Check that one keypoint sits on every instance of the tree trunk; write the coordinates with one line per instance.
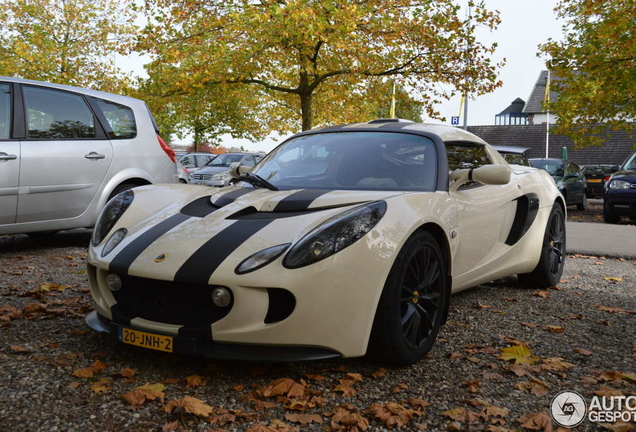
(305, 109)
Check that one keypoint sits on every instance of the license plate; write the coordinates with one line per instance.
(146, 340)
(594, 181)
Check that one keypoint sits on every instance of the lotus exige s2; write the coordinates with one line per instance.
(341, 241)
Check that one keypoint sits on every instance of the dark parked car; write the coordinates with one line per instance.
(620, 193)
(514, 155)
(569, 179)
(596, 176)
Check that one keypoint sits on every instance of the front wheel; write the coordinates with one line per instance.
(583, 204)
(414, 302)
(548, 271)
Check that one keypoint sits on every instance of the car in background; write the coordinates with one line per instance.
(620, 192)
(596, 176)
(216, 172)
(514, 155)
(193, 161)
(65, 151)
(569, 179)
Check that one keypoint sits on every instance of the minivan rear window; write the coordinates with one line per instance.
(57, 114)
(5, 110)
(120, 118)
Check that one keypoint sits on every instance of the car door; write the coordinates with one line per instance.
(485, 212)
(579, 181)
(65, 155)
(9, 158)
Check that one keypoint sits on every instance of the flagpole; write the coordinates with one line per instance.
(547, 128)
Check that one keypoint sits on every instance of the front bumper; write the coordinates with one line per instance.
(621, 202)
(222, 351)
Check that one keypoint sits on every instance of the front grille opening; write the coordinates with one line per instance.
(169, 302)
(281, 305)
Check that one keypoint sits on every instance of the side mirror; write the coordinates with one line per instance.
(486, 174)
(237, 169)
(615, 168)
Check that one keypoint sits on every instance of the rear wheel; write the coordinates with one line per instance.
(548, 271)
(413, 304)
(609, 216)
(583, 204)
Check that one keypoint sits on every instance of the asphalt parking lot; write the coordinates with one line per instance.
(56, 375)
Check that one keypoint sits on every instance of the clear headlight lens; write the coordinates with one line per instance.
(111, 214)
(114, 240)
(221, 176)
(619, 184)
(261, 259)
(335, 234)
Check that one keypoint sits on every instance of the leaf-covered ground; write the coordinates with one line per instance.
(593, 213)
(505, 352)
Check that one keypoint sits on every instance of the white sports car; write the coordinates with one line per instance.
(341, 241)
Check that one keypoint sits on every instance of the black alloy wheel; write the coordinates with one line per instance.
(414, 303)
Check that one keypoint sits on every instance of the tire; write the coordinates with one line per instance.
(583, 204)
(548, 271)
(182, 181)
(609, 216)
(414, 303)
(119, 189)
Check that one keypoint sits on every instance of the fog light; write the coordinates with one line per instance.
(221, 297)
(113, 281)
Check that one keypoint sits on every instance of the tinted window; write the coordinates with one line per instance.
(57, 115)
(120, 118)
(225, 160)
(630, 164)
(554, 167)
(5, 111)
(354, 161)
(187, 161)
(466, 156)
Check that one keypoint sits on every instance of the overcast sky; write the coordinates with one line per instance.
(524, 25)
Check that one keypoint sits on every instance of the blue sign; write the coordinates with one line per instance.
(455, 120)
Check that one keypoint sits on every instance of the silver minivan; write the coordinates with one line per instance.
(65, 151)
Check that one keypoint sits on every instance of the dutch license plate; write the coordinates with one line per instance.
(146, 340)
(594, 181)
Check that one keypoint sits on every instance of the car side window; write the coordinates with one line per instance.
(57, 114)
(5, 111)
(201, 160)
(120, 118)
(187, 161)
(463, 156)
(248, 160)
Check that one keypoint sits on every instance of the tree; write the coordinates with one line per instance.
(65, 41)
(596, 64)
(312, 60)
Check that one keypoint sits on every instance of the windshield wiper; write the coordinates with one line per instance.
(257, 181)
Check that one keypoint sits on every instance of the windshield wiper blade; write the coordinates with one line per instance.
(256, 180)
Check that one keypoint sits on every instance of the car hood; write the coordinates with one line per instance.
(628, 176)
(191, 234)
(211, 170)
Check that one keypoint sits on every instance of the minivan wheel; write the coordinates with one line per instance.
(119, 189)
(583, 204)
(609, 216)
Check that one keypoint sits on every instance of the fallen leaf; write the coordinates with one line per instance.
(344, 418)
(238, 388)
(74, 385)
(100, 386)
(495, 411)
(542, 294)
(304, 419)
(19, 349)
(530, 325)
(170, 427)
(482, 306)
(139, 395)
(190, 405)
(194, 381)
(537, 387)
(379, 373)
(613, 279)
(392, 414)
(536, 421)
(554, 329)
(463, 415)
(614, 310)
(316, 377)
(399, 388)
(126, 373)
(582, 351)
(519, 354)
(454, 355)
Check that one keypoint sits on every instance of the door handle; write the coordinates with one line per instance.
(93, 155)
(7, 157)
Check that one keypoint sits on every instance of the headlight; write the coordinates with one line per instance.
(114, 240)
(619, 184)
(335, 234)
(111, 214)
(261, 259)
(221, 176)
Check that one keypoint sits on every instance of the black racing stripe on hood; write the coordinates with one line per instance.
(123, 260)
(299, 201)
(200, 207)
(231, 196)
(202, 263)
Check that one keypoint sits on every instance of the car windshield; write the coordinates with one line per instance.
(597, 169)
(630, 163)
(553, 167)
(225, 160)
(352, 161)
